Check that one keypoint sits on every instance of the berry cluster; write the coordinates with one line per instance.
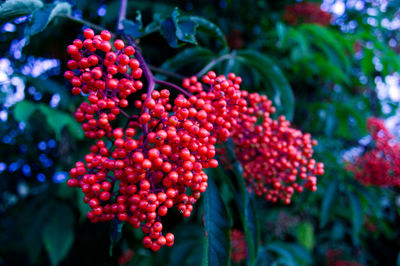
(238, 246)
(136, 173)
(379, 166)
(152, 170)
(306, 12)
(108, 75)
(273, 153)
(337, 257)
(126, 256)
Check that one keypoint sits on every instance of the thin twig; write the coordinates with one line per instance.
(122, 15)
(146, 71)
(124, 113)
(166, 72)
(213, 63)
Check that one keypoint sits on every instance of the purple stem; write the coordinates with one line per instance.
(147, 74)
(122, 14)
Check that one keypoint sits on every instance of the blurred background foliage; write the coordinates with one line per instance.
(327, 66)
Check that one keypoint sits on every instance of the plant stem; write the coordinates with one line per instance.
(162, 82)
(166, 72)
(146, 71)
(147, 74)
(122, 15)
(213, 63)
(124, 113)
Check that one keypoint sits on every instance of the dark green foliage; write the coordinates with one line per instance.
(323, 79)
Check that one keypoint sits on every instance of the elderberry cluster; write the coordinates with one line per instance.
(379, 166)
(306, 12)
(138, 172)
(276, 158)
(271, 152)
(238, 246)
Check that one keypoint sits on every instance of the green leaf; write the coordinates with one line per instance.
(50, 86)
(134, 28)
(357, 215)
(332, 45)
(65, 192)
(305, 235)
(367, 66)
(217, 228)
(58, 233)
(56, 119)
(23, 110)
(207, 27)
(247, 215)
(371, 199)
(168, 30)
(329, 199)
(186, 30)
(175, 30)
(43, 16)
(11, 9)
(282, 251)
(115, 233)
(398, 259)
(245, 205)
(301, 255)
(32, 228)
(188, 57)
(273, 79)
(187, 248)
(82, 206)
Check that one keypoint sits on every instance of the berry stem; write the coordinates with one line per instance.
(124, 113)
(122, 14)
(166, 72)
(214, 62)
(148, 75)
(146, 71)
(166, 83)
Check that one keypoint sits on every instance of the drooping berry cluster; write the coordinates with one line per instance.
(272, 153)
(238, 246)
(136, 173)
(379, 166)
(337, 257)
(306, 12)
(108, 73)
(126, 257)
(152, 164)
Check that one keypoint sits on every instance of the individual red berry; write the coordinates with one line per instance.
(88, 33)
(119, 44)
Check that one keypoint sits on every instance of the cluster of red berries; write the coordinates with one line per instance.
(126, 256)
(141, 175)
(137, 173)
(379, 166)
(108, 73)
(334, 257)
(238, 246)
(306, 12)
(272, 153)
